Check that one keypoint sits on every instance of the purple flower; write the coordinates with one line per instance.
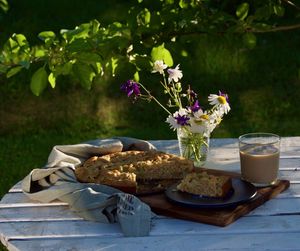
(131, 87)
(195, 107)
(182, 120)
(224, 95)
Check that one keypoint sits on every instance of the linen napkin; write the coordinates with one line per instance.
(94, 202)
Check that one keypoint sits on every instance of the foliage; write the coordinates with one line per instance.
(4, 5)
(91, 50)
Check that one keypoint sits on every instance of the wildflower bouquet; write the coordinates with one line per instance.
(193, 123)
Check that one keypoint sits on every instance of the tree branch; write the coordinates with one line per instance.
(292, 4)
(279, 28)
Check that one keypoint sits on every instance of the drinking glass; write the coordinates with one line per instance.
(259, 158)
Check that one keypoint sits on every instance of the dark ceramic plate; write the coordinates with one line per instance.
(241, 192)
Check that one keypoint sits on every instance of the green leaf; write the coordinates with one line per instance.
(52, 80)
(136, 77)
(183, 4)
(97, 67)
(262, 26)
(279, 10)
(95, 25)
(81, 31)
(14, 71)
(4, 5)
(88, 57)
(263, 13)
(114, 65)
(78, 45)
(21, 40)
(47, 36)
(12, 45)
(161, 53)
(249, 40)
(39, 52)
(184, 53)
(169, 1)
(38, 81)
(85, 75)
(64, 69)
(242, 11)
(144, 17)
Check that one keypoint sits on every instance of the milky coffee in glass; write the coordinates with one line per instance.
(259, 156)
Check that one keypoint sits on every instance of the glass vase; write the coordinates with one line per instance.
(193, 146)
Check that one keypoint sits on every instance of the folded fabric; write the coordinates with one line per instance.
(91, 201)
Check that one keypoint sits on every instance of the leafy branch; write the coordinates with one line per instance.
(92, 50)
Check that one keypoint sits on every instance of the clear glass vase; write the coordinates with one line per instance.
(193, 146)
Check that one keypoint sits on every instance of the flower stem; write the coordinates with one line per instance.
(152, 97)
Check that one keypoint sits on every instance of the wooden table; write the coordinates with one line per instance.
(30, 225)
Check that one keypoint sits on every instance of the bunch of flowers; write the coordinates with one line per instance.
(190, 117)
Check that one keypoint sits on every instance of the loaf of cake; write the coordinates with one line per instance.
(137, 170)
(201, 183)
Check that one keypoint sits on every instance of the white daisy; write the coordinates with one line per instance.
(213, 99)
(159, 66)
(175, 74)
(221, 101)
(198, 126)
(200, 122)
(216, 115)
(173, 122)
(200, 115)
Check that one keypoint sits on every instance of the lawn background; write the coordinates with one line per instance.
(263, 85)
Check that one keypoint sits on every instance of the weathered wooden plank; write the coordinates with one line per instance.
(245, 242)
(57, 229)
(54, 213)
(54, 229)
(226, 142)
(18, 199)
(23, 201)
(292, 192)
(290, 175)
(63, 213)
(280, 206)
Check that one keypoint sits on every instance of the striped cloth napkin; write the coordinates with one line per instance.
(91, 201)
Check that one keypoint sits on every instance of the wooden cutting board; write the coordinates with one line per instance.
(220, 216)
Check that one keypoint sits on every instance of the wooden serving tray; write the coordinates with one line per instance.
(216, 216)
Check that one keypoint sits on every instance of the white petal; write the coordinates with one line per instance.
(172, 122)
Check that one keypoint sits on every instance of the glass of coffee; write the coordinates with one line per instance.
(259, 156)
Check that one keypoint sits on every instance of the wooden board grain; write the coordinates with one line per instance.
(220, 216)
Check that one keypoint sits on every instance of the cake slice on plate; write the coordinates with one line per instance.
(201, 183)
